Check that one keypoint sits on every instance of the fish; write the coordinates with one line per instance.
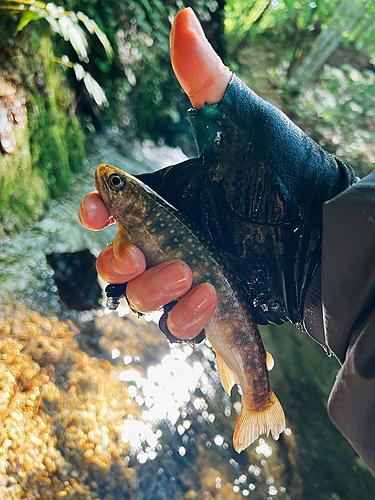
(163, 233)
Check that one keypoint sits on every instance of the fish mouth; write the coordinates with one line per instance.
(101, 175)
(97, 181)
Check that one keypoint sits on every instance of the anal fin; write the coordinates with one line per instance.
(227, 376)
(251, 425)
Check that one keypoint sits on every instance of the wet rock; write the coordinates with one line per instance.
(76, 279)
(12, 116)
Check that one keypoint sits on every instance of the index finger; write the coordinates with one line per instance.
(93, 214)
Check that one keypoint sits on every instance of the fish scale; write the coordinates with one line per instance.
(164, 234)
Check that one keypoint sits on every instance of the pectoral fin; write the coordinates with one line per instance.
(252, 424)
(270, 363)
(227, 376)
(121, 243)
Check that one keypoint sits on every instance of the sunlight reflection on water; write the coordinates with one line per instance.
(264, 448)
(185, 376)
(167, 388)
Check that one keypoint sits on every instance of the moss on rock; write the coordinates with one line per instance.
(22, 193)
(50, 146)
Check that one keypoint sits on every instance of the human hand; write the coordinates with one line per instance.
(204, 78)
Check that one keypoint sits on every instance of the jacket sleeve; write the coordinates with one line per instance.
(348, 291)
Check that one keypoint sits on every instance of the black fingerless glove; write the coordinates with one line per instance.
(257, 189)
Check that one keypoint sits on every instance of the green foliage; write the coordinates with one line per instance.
(140, 85)
(22, 193)
(342, 110)
(288, 17)
(137, 79)
(268, 43)
(49, 148)
(279, 48)
(56, 136)
(66, 24)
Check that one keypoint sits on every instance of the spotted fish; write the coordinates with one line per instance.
(163, 233)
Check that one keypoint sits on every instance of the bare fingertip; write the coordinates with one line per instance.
(93, 214)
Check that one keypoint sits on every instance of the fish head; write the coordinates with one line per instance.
(123, 194)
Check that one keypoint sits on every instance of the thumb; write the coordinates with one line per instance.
(198, 68)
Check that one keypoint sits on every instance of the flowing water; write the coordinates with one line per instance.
(95, 405)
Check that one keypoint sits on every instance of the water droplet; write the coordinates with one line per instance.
(218, 440)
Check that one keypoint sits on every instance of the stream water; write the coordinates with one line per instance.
(95, 405)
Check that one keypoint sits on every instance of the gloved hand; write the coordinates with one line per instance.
(257, 189)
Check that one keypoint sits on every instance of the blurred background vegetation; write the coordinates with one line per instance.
(88, 66)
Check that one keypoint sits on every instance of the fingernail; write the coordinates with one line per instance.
(200, 299)
(173, 277)
(194, 23)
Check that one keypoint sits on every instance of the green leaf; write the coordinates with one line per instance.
(92, 27)
(26, 18)
(95, 90)
(73, 33)
(79, 71)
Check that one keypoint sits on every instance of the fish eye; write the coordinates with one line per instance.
(116, 182)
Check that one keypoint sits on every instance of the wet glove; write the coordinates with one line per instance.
(257, 190)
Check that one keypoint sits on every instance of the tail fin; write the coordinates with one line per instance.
(251, 425)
